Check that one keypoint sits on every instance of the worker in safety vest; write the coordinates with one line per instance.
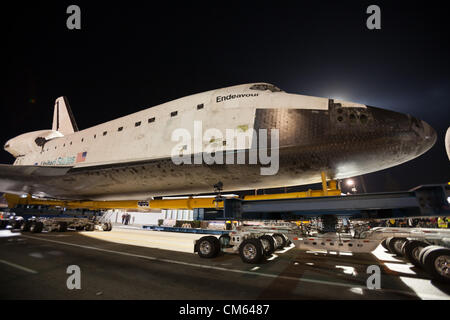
(442, 222)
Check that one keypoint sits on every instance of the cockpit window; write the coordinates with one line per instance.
(264, 87)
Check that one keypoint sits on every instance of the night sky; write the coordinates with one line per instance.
(129, 56)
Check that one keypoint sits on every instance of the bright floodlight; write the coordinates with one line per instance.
(350, 182)
(448, 199)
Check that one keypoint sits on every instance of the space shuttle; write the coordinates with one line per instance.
(133, 157)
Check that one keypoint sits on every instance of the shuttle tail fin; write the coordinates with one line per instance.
(63, 120)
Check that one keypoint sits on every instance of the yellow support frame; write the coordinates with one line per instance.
(189, 203)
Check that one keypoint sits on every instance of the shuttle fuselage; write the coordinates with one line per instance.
(132, 157)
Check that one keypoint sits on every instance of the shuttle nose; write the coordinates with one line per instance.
(412, 136)
(428, 133)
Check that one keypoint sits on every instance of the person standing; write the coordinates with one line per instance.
(442, 222)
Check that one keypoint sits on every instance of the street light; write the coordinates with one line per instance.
(351, 184)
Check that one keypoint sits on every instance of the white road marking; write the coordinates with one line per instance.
(201, 266)
(292, 246)
(273, 257)
(18, 267)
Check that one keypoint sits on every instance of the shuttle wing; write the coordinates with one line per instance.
(29, 179)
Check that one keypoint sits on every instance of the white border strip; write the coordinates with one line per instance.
(18, 267)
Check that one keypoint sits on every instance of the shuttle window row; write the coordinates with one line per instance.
(137, 124)
(153, 119)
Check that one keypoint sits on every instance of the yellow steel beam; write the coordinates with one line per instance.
(189, 203)
(303, 194)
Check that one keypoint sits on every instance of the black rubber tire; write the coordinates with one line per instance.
(14, 224)
(62, 227)
(224, 240)
(423, 252)
(271, 244)
(256, 245)
(105, 227)
(398, 245)
(383, 243)
(386, 241)
(208, 241)
(40, 227)
(25, 226)
(410, 249)
(89, 227)
(404, 247)
(429, 262)
(36, 227)
(33, 227)
(280, 239)
(393, 244)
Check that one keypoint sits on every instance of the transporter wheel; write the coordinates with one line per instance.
(386, 241)
(423, 252)
(224, 240)
(36, 227)
(411, 251)
(383, 243)
(25, 226)
(251, 251)
(62, 227)
(208, 247)
(89, 227)
(268, 244)
(14, 224)
(395, 245)
(19, 224)
(107, 226)
(437, 263)
(398, 245)
(281, 240)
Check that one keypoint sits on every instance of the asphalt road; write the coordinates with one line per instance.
(137, 264)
